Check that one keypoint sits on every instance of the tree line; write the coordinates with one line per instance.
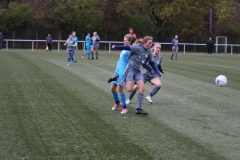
(159, 18)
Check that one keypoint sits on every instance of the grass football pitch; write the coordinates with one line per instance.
(51, 111)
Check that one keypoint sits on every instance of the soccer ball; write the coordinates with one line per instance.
(221, 80)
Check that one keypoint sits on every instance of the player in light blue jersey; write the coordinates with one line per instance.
(139, 53)
(88, 40)
(76, 47)
(70, 43)
(120, 69)
(174, 47)
(149, 75)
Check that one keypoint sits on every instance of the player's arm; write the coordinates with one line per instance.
(118, 47)
(76, 43)
(152, 64)
(144, 64)
(98, 39)
(160, 67)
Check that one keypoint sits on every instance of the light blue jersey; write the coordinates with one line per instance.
(76, 40)
(122, 63)
(88, 40)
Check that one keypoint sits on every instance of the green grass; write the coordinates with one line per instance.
(51, 111)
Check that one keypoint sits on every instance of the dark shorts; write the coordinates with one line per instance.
(70, 53)
(95, 46)
(174, 48)
(148, 77)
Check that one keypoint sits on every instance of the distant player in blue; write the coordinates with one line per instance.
(76, 47)
(120, 69)
(88, 40)
(139, 53)
(149, 75)
(70, 43)
(174, 47)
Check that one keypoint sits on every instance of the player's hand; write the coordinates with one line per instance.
(64, 44)
(113, 46)
(161, 77)
(163, 72)
(76, 48)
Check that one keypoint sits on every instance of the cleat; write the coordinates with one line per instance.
(82, 57)
(124, 111)
(96, 58)
(140, 111)
(113, 78)
(128, 101)
(116, 106)
(148, 98)
(68, 64)
(171, 58)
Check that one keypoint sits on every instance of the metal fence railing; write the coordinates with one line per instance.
(106, 45)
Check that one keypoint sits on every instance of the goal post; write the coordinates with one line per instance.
(224, 38)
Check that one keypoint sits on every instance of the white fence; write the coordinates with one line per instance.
(108, 44)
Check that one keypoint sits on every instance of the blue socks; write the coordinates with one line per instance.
(115, 96)
(123, 99)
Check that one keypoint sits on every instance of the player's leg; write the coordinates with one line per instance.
(176, 53)
(50, 47)
(141, 89)
(115, 96)
(173, 51)
(123, 99)
(87, 52)
(156, 81)
(1, 43)
(96, 50)
(133, 92)
(68, 58)
(92, 51)
(210, 50)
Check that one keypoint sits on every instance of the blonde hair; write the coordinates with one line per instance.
(154, 46)
(139, 40)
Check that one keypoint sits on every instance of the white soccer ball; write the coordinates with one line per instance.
(221, 80)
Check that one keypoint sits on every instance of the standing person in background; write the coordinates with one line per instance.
(49, 42)
(88, 40)
(210, 45)
(95, 45)
(71, 44)
(174, 47)
(1, 40)
(74, 37)
(131, 32)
